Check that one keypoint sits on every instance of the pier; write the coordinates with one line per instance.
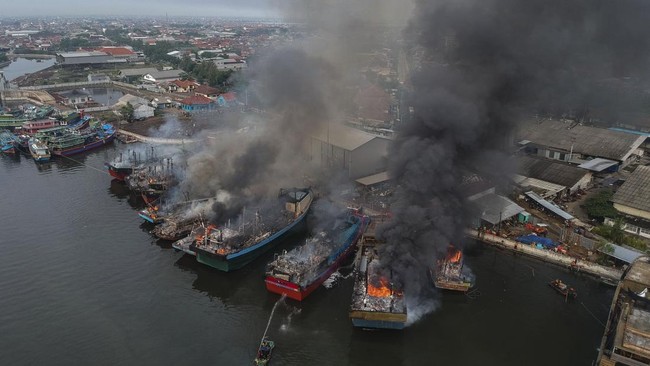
(547, 256)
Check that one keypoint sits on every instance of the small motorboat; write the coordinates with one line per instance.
(264, 352)
(563, 288)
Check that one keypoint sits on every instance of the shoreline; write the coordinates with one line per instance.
(572, 264)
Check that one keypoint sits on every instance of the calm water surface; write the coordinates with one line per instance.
(22, 66)
(83, 283)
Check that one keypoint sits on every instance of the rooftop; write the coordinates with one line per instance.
(206, 89)
(495, 208)
(635, 192)
(347, 138)
(585, 140)
(550, 170)
(196, 99)
(138, 72)
(82, 54)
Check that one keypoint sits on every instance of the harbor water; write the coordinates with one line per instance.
(82, 282)
(21, 66)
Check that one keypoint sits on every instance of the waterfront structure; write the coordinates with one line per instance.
(359, 154)
(141, 107)
(633, 201)
(627, 334)
(495, 209)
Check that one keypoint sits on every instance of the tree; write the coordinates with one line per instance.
(599, 206)
(127, 111)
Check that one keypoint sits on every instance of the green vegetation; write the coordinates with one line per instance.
(617, 235)
(3, 57)
(71, 44)
(599, 206)
(206, 72)
(127, 112)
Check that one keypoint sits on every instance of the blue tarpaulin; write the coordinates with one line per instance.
(534, 239)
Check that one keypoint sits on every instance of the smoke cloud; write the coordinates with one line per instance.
(480, 66)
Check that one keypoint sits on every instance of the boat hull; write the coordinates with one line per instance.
(377, 320)
(82, 148)
(237, 260)
(119, 173)
(296, 292)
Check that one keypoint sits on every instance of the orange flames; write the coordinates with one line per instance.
(453, 255)
(382, 291)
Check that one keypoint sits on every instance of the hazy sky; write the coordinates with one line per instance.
(209, 8)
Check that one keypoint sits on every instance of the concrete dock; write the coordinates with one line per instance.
(547, 256)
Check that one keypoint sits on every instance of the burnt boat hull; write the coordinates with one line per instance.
(239, 259)
(297, 292)
(119, 173)
(377, 320)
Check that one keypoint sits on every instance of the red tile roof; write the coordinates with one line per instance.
(229, 96)
(205, 89)
(183, 83)
(196, 99)
(117, 51)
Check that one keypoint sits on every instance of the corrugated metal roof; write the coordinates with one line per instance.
(586, 140)
(138, 72)
(495, 208)
(621, 253)
(82, 54)
(345, 137)
(373, 179)
(635, 192)
(549, 206)
(597, 164)
(550, 170)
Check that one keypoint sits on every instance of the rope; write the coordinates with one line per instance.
(84, 164)
(592, 314)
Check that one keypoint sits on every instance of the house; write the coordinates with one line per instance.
(98, 78)
(227, 99)
(181, 86)
(207, 91)
(359, 154)
(555, 172)
(229, 64)
(633, 201)
(159, 77)
(130, 75)
(141, 107)
(76, 96)
(571, 141)
(197, 103)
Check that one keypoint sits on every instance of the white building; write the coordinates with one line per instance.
(633, 201)
(162, 76)
(229, 64)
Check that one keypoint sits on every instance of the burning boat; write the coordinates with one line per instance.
(299, 272)
(184, 244)
(174, 228)
(228, 248)
(377, 302)
(449, 272)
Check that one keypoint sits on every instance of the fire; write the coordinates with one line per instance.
(382, 291)
(453, 255)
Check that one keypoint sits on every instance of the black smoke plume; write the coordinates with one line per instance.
(481, 66)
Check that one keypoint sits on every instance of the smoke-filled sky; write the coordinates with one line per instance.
(202, 8)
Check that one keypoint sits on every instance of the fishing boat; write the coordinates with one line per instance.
(450, 273)
(8, 142)
(299, 272)
(38, 150)
(32, 127)
(563, 288)
(377, 296)
(174, 228)
(264, 352)
(185, 243)
(228, 248)
(152, 215)
(75, 143)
